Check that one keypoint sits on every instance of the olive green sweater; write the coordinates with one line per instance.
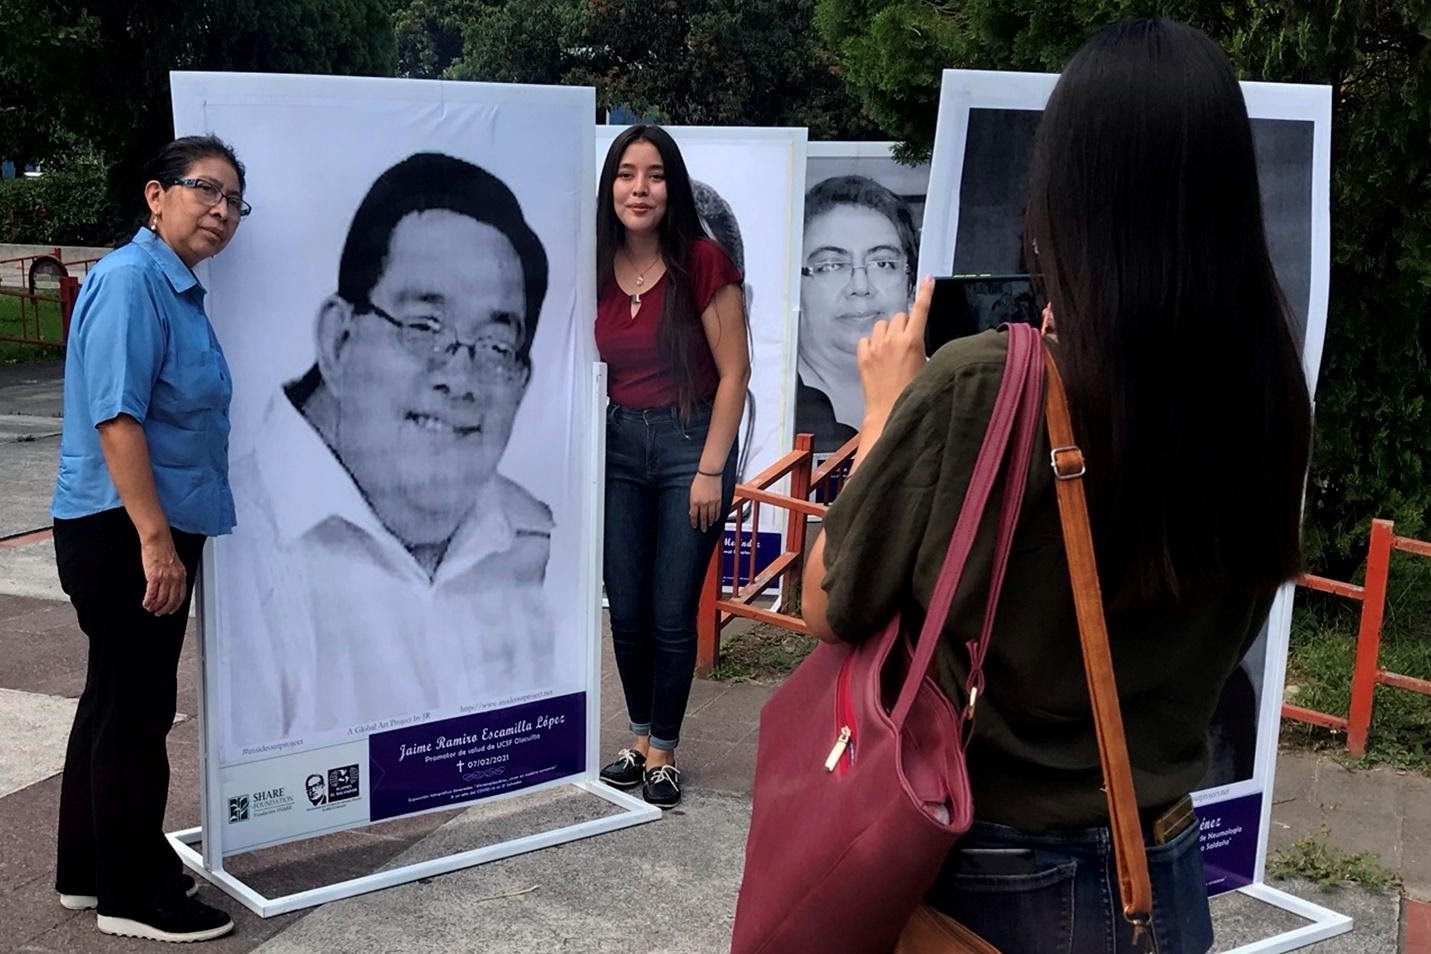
(1033, 761)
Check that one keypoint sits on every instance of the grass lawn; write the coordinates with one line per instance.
(10, 326)
(1319, 667)
(760, 653)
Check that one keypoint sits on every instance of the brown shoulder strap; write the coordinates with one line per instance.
(1068, 469)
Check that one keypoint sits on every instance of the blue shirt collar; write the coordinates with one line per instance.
(175, 270)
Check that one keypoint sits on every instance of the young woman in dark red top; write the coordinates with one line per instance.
(670, 325)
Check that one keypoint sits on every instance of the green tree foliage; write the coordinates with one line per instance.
(99, 69)
(36, 56)
(1373, 437)
(694, 62)
(522, 41)
(429, 35)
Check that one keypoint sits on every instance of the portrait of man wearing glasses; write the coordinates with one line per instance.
(858, 263)
(392, 570)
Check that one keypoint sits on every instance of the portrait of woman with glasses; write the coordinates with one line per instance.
(143, 481)
(387, 564)
(858, 264)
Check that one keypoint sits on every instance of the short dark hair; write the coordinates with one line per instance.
(308, 782)
(864, 191)
(720, 222)
(424, 182)
(176, 159)
(1144, 226)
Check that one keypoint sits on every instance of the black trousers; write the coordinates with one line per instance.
(116, 780)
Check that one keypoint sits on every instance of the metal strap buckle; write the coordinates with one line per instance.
(1143, 937)
(1067, 449)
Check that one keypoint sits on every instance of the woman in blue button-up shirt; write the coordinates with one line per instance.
(143, 481)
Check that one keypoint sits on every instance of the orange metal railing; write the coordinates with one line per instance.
(805, 479)
(30, 325)
(1367, 673)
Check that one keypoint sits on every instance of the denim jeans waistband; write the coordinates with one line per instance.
(667, 414)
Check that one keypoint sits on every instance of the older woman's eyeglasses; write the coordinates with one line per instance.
(427, 337)
(211, 195)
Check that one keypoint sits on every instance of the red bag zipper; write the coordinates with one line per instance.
(842, 756)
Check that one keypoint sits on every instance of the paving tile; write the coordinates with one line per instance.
(35, 728)
(1415, 866)
(32, 909)
(1416, 927)
(704, 692)
(52, 663)
(27, 565)
(410, 827)
(698, 759)
(1238, 920)
(314, 862)
(1373, 791)
(28, 816)
(185, 769)
(699, 727)
(27, 837)
(1414, 800)
(43, 616)
(13, 606)
(724, 768)
(738, 701)
(584, 896)
(1296, 813)
(1296, 776)
(613, 739)
(1356, 831)
(43, 650)
(188, 681)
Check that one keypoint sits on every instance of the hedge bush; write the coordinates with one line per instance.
(70, 206)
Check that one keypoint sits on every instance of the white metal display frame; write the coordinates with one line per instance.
(190, 92)
(963, 90)
(209, 863)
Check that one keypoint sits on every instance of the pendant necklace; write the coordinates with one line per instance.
(640, 279)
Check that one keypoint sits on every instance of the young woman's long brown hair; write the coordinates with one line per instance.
(680, 227)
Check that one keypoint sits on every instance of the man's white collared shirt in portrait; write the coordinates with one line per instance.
(340, 626)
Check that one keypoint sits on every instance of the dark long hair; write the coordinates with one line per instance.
(679, 228)
(1145, 222)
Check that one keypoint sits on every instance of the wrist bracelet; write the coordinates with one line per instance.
(706, 473)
